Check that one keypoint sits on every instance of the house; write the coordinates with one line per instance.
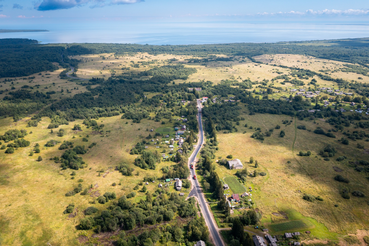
(183, 128)
(288, 235)
(225, 186)
(296, 243)
(171, 146)
(236, 197)
(258, 241)
(204, 99)
(235, 164)
(272, 240)
(160, 185)
(296, 234)
(181, 194)
(200, 243)
(167, 180)
(190, 89)
(176, 128)
(178, 184)
(198, 89)
(180, 151)
(180, 132)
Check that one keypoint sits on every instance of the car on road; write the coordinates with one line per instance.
(194, 176)
(191, 166)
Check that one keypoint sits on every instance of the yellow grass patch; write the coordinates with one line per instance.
(290, 176)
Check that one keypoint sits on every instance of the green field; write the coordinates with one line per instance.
(235, 186)
(288, 226)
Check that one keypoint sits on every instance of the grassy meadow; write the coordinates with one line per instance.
(278, 195)
(33, 193)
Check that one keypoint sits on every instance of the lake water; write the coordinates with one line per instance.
(205, 32)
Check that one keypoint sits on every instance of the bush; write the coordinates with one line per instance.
(70, 193)
(9, 150)
(357, 193)
(90, 210)
(262, 174)
(229, 156)
(277, 127)
(132, 194)
(101, 199)
(69, 209)
(186, 183)
(308, 198)
(301, 127)
(282, 134)
(39, 158)
(345, 193)
(339, 178)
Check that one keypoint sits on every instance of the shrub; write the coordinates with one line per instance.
(229, 156)
(339, 178)
(69, 209)
(341, 158)
(9, 150)
(262, 174)
(51, 143)
(186, 183)
(357, 193)
(282, 134)
(319, 198)
(308, 198)
(101, 199)
(277, 127)
(84, 139)
(319, 130)
(132, 194)
(90, 210)
(70, 193)
(345, 193)
(301, 127)
(39, 158)
(344, 141)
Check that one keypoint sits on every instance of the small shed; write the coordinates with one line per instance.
(225, 186)
(160, 185)
(288, 235)
(167, 180)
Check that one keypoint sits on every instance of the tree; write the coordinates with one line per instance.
(251, 159)
(282, 134)
(39, 158)
(256, 164)
(237, 229)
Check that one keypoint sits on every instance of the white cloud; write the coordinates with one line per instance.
(323, 12)
(47, 5)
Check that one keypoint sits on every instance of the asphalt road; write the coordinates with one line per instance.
(197, 192)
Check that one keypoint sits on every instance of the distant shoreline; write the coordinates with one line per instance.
(21, 30)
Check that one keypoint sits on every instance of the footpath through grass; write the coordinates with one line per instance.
(235, 186)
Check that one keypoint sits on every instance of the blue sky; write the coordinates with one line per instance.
(59, 11)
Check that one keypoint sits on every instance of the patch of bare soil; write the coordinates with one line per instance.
(283, 214)
(82, 239)
(337, 169)
(366, 151)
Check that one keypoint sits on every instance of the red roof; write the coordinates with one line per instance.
(236, 197)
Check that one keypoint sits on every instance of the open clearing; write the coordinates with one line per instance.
(235, 186)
